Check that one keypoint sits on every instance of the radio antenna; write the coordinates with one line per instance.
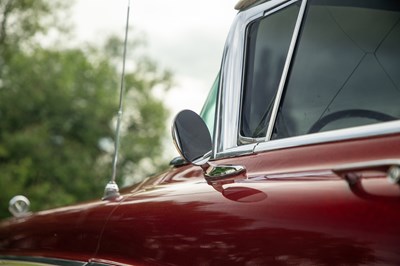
(112, 190)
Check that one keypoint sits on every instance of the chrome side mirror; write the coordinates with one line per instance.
(192, 138)
(193, 141)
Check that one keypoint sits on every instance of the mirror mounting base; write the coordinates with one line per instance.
(217, 172)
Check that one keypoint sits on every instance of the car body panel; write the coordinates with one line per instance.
(253, 220)
(71, 232)
(179, 217)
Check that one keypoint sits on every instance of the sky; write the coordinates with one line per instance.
(184, 36)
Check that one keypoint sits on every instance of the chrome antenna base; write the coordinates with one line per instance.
(111, 191)
(19, 206)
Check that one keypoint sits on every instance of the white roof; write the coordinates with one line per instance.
(244, 3)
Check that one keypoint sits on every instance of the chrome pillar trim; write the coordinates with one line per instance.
(228, 97)
(286, 70)
(331, 136)
(230, 87)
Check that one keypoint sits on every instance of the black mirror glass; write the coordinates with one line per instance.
(191, 137)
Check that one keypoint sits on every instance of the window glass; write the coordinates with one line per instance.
(208, 110)
(268, 41)
(346, 70)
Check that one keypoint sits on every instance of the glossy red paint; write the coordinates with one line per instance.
(71, 232)
(290, 209)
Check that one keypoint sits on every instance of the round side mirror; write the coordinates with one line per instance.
(191, 137)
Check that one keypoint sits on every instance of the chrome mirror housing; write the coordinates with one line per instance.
(192, 138)
(193, 141)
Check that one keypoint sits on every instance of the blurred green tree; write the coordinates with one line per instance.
(58, 108)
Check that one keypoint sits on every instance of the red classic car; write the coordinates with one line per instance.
(302, 166)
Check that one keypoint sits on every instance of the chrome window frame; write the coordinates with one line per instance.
(285, 71)
(229, 96)
(228, 111)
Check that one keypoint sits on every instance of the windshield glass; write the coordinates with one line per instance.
(346, 70)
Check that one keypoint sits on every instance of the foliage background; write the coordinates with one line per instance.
(58, 107)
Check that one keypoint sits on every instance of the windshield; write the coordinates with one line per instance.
(346, 70)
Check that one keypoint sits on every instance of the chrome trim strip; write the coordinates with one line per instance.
(238, 150)
(309, 175)
(366, 165)
(286, 70)
(331, 136)
(226, 64)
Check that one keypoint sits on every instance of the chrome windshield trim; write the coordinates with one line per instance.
(378, 129)
(228, 66)
(285, 72)
(229, 95)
